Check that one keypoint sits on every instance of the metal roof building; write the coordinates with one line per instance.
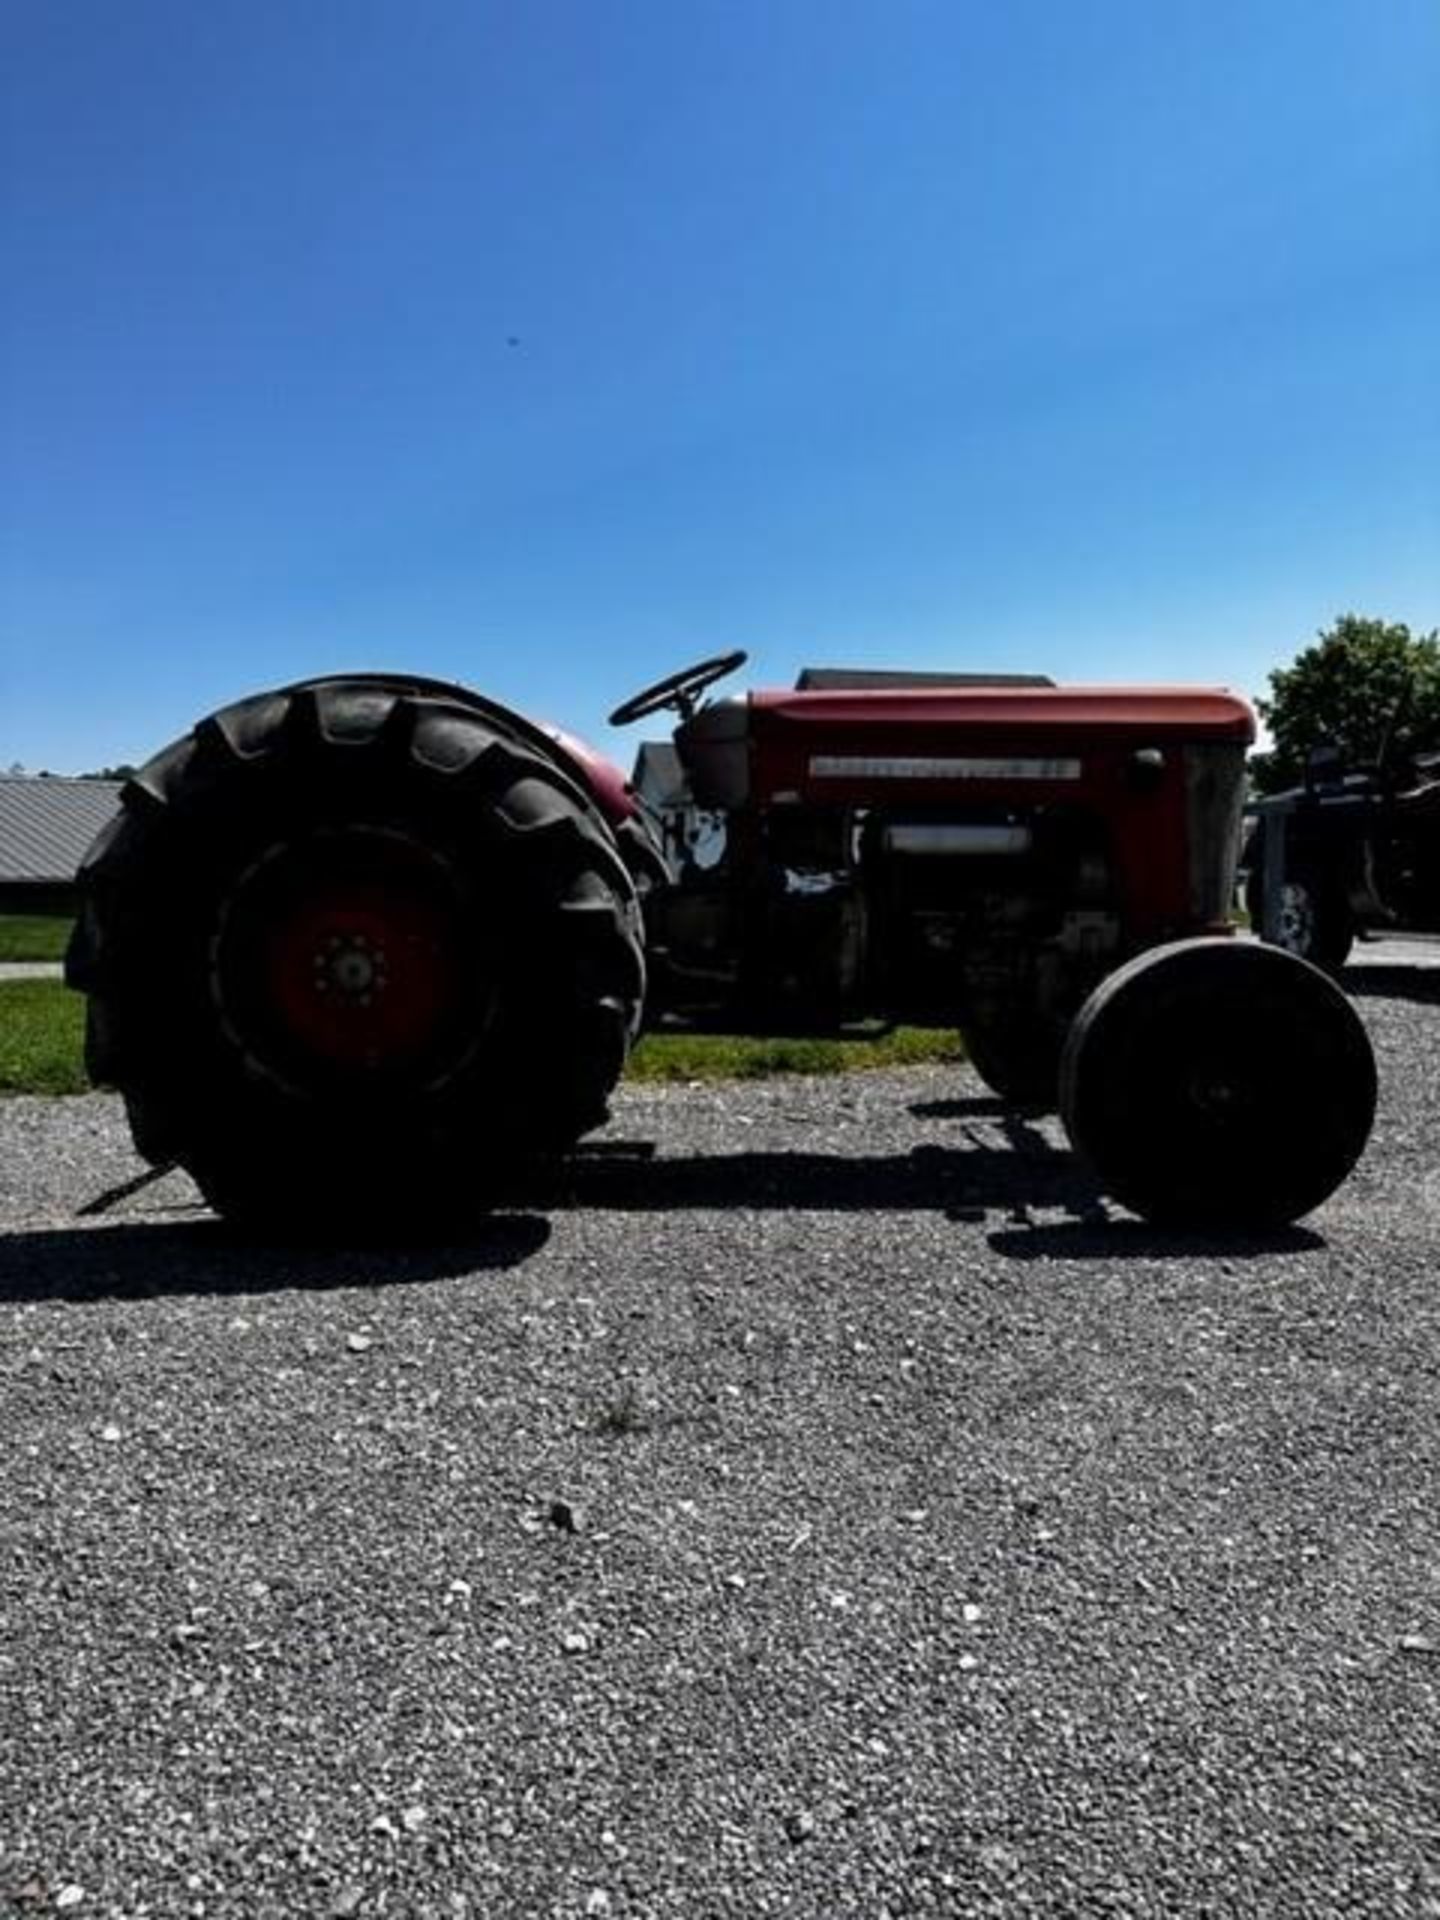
(46, 825)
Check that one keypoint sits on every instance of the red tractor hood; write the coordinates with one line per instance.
(1194, 713)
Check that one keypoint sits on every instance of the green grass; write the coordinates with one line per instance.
(33, 936)
(42, 1038)
(42, 1026)
(723, 1056)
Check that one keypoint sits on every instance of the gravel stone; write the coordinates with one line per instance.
(564, 1517)
(867, 1337)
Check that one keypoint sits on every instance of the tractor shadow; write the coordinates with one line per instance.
(998, 1173)
(969, 1184)
(1387, 981)
(137, 1260)
(1008, 1165)
(1123, 1238)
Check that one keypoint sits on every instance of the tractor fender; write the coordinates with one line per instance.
(612, 791)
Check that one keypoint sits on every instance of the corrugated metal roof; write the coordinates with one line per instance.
(47, 825)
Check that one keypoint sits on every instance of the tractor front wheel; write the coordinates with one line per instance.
(1218, 1083)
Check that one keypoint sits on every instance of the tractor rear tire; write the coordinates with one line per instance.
(352, 949)
(1218, 1084)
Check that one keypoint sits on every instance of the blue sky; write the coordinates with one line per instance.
(1101, 339)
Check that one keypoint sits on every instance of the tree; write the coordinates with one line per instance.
(1369, 687)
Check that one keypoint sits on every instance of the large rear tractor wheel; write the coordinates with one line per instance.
(1218, 1084)
(352, 948)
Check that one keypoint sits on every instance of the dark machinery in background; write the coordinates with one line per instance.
(1349, 851)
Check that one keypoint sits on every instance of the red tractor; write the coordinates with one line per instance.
(356, 947)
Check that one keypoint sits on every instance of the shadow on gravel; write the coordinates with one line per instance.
(977, 1106)
(968, 1185)
(1092, 1234)
(968, 1181)
(1134, 1240)
(204, 1257)
(1393, 982)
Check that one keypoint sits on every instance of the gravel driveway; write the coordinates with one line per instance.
(835, 1510)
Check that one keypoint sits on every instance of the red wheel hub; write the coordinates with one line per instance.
(348, 953)
(363, 979)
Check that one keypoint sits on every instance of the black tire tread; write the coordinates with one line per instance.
(567, 894)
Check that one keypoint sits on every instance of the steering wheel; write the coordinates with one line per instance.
(679, 690)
